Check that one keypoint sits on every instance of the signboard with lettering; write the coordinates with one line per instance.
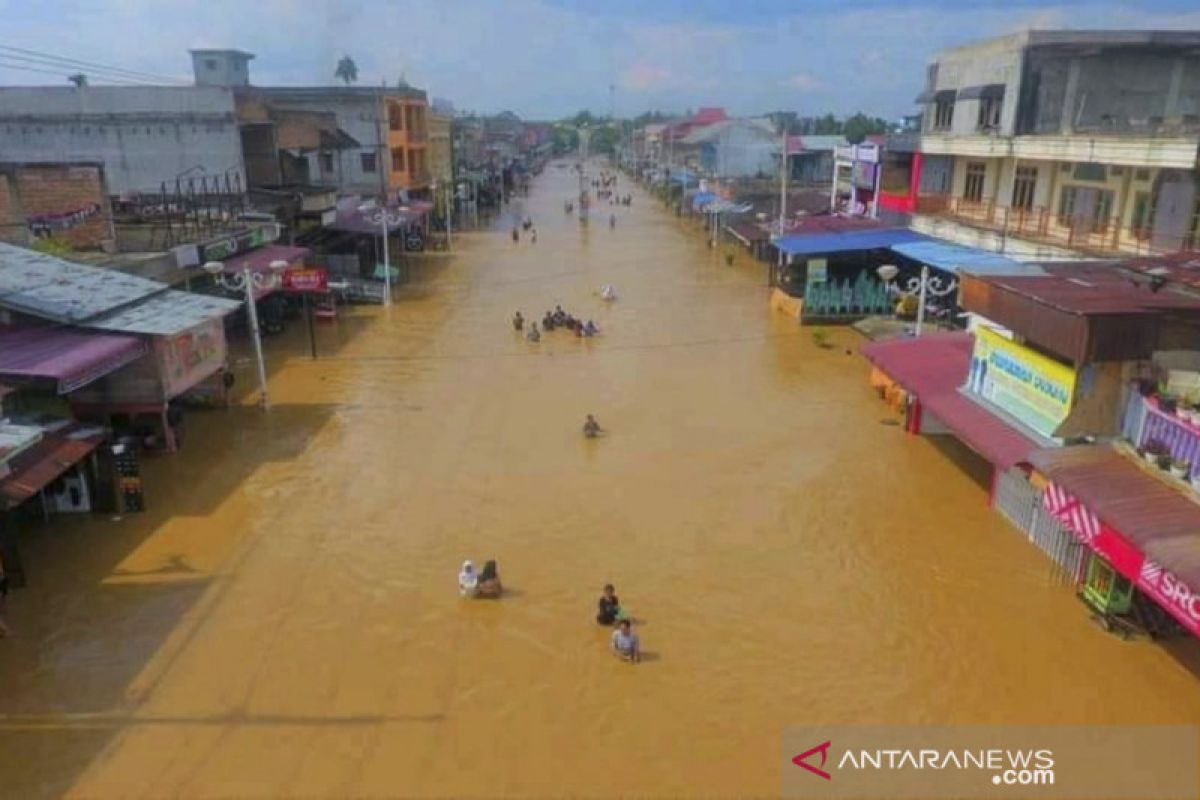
(223, 248)
(189, 357)
(1035, 389)
(305, 279)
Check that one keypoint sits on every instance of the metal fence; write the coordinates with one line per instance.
(1021, 504)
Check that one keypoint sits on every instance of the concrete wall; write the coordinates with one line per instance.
(143, 135)
(995, 61)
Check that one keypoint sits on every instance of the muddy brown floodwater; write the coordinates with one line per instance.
(284, 620)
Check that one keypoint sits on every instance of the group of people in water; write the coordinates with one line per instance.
(552, 320)
(624, 642)
(526, 225)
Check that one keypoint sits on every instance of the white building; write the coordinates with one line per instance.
(1061, 141)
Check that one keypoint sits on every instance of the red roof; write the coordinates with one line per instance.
(1094, 291)
(260, 260)
(933, 368)
(708, 115)
(1155, 517)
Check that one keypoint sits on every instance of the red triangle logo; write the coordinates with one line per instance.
(800, 760)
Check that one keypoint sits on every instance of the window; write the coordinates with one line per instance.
(397, 159)
(1193, 237)
(210, 64)
(368, 162)
(973, 188)
(1142, 175)
(989, 113)
(943, 113)
(1090, 172)
(1024, 186)
(395, 118)
(1143, 215)
(326, 163)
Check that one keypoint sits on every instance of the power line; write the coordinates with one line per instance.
(50, 59)
(59, 73)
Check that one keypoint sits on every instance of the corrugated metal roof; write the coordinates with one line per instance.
(846, 241)
(63, 291)
(954, 257)
(1094, 291)
(1180, 267)
(933, 368)
(71, 357)
(41, 464)
(167, 314)
(1156, 517)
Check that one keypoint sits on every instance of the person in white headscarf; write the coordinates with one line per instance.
(468, 580)
(607, 292)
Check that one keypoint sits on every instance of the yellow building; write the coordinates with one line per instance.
(407, 142)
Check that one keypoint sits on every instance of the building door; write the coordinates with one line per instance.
(1175, 203)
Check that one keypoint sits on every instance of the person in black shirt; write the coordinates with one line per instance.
(609, 606)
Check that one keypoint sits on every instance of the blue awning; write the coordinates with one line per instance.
(953, 258)
(701, 199)
(843, 242)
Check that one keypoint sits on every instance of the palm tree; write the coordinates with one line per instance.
(79, 79)
(346, 70)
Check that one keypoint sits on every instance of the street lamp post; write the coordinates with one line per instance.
(385, 221)
(921, 301)
(249, 282)
(887, 273)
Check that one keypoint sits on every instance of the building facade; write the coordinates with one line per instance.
(387, 125)
(1047, 142)
(144, 136)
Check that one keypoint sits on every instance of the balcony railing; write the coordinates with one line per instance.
(1105, 235)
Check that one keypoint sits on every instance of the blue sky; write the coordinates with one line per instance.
(545, 58)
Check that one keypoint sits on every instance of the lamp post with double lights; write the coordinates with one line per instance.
(385, 221)
(250, 282)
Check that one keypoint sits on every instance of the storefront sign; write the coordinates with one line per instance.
(1034, 389)
(1175, 597)
(305, 279)
(189, 357)
(818, 271)
(222, 249)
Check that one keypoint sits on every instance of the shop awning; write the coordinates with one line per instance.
(70, 357)
(260, 260)
(701, 199)
(843, 242)
(1147, 529)
(954, 257)
(40, 465)
(933, 368)
(353, 218)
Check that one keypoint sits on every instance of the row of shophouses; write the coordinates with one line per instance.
(145, 228)
(1043, 228)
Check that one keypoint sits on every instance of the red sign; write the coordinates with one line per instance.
(305, 279)
(1176, 597)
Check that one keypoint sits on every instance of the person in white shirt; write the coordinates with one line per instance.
(468, 580)
(625, 643)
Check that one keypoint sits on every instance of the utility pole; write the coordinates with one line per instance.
(783, 170)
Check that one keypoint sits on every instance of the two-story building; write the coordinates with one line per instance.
(387, 124)
(1051, 143)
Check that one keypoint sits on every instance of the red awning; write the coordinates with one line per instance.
(71, 357)
(35, 468)
(260, 260)
(1149, 530)
(932, 368)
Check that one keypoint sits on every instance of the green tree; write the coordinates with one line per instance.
(347, 70)
(79, 79)
(604, 139)
(860, 126)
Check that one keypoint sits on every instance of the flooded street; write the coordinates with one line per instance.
(284, 620)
